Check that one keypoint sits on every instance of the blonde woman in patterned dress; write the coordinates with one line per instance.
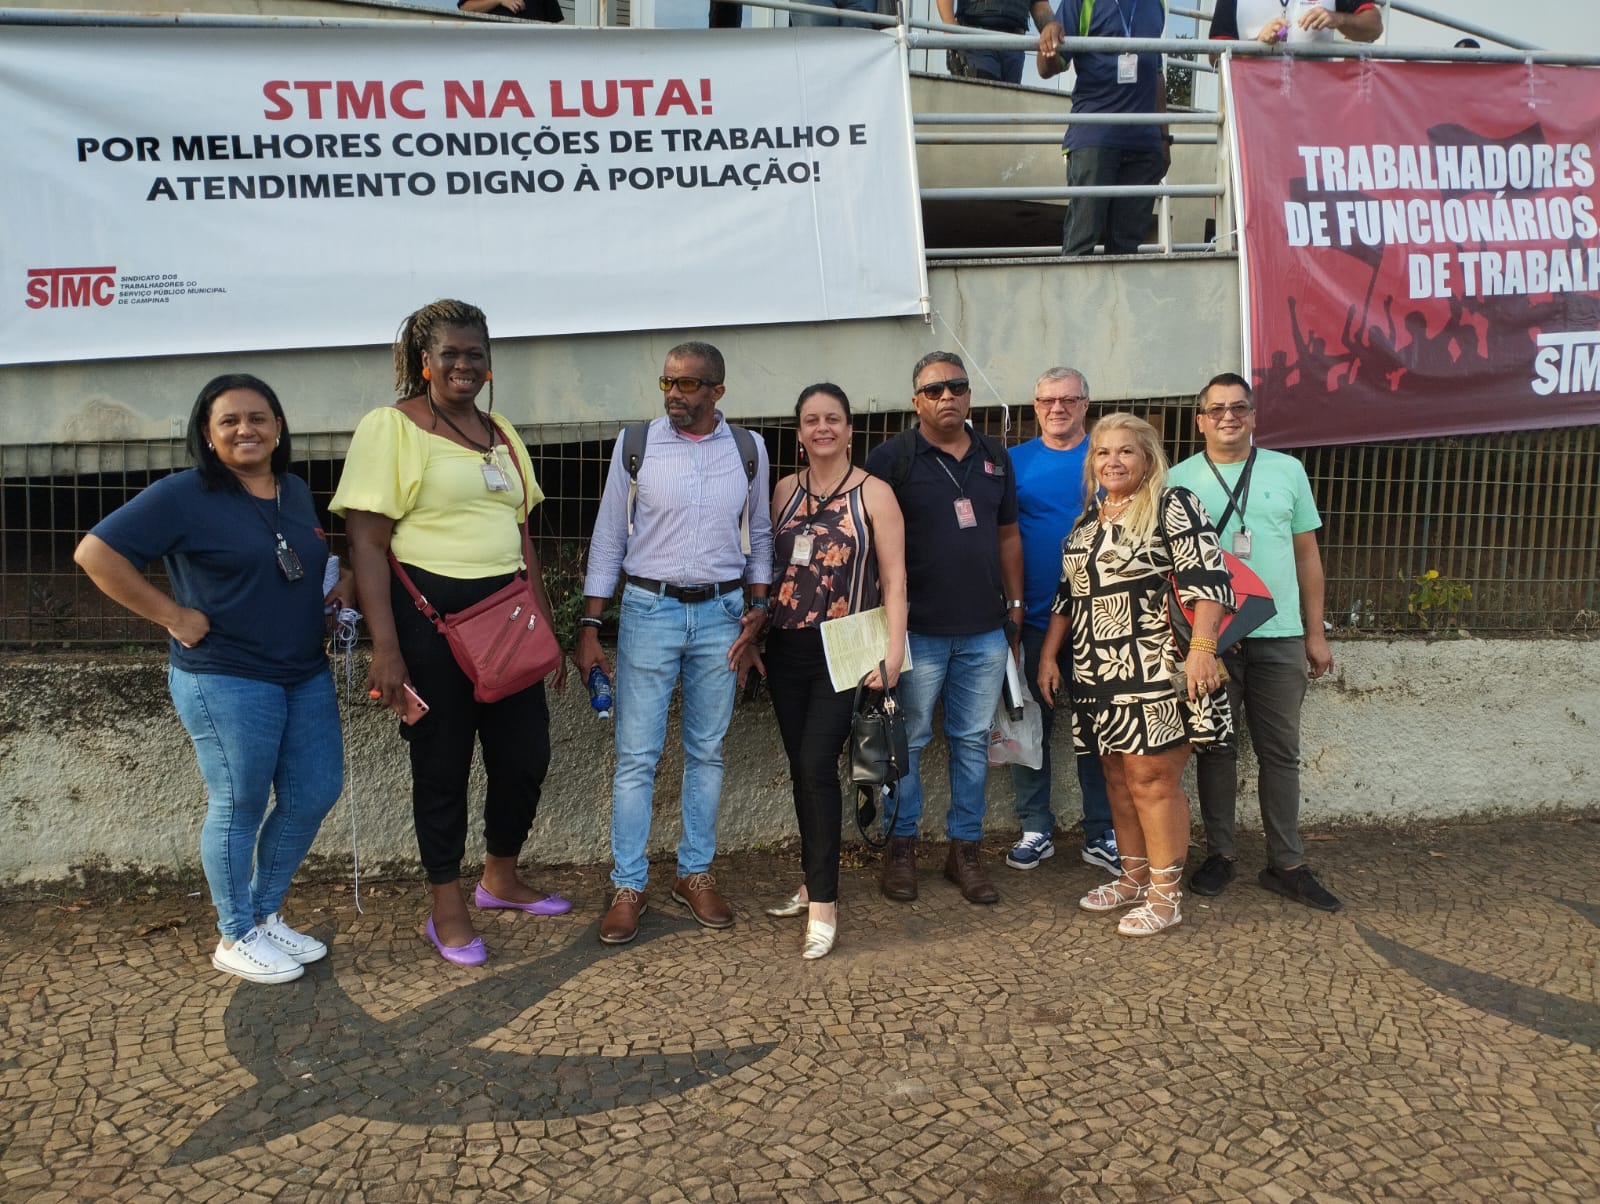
(1112, 604)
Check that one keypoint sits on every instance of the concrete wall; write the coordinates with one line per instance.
(94, 767)
(1139, 328)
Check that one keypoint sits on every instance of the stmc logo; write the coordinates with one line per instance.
(70, 288)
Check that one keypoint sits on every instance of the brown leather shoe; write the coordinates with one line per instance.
(898, 879)
(698, 892)
(961, 866)
(621, 922)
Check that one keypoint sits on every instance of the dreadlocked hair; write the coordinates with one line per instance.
(417, 331)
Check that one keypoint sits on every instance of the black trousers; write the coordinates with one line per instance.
(514, 734)
(814, 721)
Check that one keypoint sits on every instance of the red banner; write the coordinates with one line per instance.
(1420, 247)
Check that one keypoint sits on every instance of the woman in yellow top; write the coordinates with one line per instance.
(432, 480)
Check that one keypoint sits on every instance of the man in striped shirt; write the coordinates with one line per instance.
(679, 545)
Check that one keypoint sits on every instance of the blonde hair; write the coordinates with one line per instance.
(1139, 522)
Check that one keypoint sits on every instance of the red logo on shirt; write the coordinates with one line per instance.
(988, 467)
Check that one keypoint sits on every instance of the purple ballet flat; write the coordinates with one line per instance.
(471, 954)
(550, 905)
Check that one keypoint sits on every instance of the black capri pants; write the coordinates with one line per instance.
(514, 734)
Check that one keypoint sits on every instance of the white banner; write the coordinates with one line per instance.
(172, 191)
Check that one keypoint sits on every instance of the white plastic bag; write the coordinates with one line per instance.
(1017, 741)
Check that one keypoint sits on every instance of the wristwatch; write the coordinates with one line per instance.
(1014, 604)
(760, 603)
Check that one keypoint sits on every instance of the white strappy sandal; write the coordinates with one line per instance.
(1160, 910)
(1124, 892)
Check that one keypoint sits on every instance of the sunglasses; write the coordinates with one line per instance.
(959, 386)
(685, 384)
(1237, 410)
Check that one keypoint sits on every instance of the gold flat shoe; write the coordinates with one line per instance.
(794, 905)
(819, 940)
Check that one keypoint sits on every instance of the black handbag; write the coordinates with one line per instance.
(879, 755)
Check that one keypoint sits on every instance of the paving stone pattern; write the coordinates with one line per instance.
(1436, 1040)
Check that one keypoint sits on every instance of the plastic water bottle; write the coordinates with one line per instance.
(599, 692)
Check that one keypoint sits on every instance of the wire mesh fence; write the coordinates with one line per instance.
(1507, 523)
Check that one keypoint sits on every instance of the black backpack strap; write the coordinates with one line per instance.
(746, 443)
(634, 438)
(905, 450)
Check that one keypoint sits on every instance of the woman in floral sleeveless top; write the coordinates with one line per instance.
(838, 549)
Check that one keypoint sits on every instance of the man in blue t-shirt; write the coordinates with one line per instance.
(1110, 154)
(1051, 487)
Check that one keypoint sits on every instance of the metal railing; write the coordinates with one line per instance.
(1510, 517)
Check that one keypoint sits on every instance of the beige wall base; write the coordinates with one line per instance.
(96, 770)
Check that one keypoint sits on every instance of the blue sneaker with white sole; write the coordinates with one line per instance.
(1028, 852)
(1102, 851)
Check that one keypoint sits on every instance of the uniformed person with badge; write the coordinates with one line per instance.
(1110, 154)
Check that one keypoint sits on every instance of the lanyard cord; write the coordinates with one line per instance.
(487, 452)
(961, 487)
(1237, 498)
(818, 505)
(1127, 21)
(277, 504)
(344, 645)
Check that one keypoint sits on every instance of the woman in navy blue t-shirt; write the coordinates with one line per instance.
(246, 557)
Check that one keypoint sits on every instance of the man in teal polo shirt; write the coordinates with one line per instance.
(1265, 515)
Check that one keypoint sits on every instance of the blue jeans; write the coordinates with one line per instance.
(256, 740)
(1033, 785)
(803, 20)
(660, 641)
(965, 672)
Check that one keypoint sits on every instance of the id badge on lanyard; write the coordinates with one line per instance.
(494, 478)
(1127, 68)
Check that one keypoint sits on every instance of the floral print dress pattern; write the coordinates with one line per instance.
(1114, 595)
(841, 575)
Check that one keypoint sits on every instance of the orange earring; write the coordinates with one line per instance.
(426, 374)
(488, 376)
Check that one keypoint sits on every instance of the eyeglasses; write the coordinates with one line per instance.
(959, 386)
(685, 384)
(1237, 409)
(1049, 403)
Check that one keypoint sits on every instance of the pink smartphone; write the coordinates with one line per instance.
(415, 707)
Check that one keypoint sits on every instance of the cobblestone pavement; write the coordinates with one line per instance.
(1435, 1040)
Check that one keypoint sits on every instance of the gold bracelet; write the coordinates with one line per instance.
(1202, 643)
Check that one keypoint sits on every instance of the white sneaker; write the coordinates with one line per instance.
(298, 945)
(256, 959)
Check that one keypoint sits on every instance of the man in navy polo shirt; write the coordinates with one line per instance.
(963, 579)
(1110, 154)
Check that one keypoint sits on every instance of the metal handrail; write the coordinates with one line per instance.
(1427, 14)
(1206, 117)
